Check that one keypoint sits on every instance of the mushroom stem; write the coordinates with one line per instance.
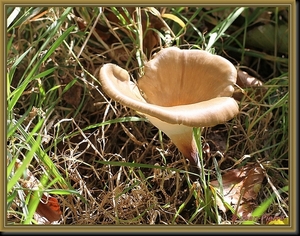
(181, 136)
(187, 146)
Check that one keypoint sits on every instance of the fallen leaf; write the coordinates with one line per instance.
(240, 189)
(252, 183)
(265, 36)
(250, 83)
(49, 208)
(244, 80)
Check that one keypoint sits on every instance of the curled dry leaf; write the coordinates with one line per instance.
(49, 208)
(246, 81)
(240, 189)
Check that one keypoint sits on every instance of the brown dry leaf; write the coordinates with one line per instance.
(49, 208)
(246, 81)
(240, 189)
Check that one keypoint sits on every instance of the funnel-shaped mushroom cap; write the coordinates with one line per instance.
(181, 89)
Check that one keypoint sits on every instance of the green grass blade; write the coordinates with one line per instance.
(17, 62)
(30, 12)
(18, 92)
(217, 32)
(259, 211)
(12, 125)
(25, 163)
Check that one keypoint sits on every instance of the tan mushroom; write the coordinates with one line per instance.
(180, 89)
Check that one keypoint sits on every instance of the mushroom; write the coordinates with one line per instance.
(180, 89)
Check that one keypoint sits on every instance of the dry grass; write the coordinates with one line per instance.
(127, 171)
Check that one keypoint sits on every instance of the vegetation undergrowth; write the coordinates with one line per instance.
(74, 156)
